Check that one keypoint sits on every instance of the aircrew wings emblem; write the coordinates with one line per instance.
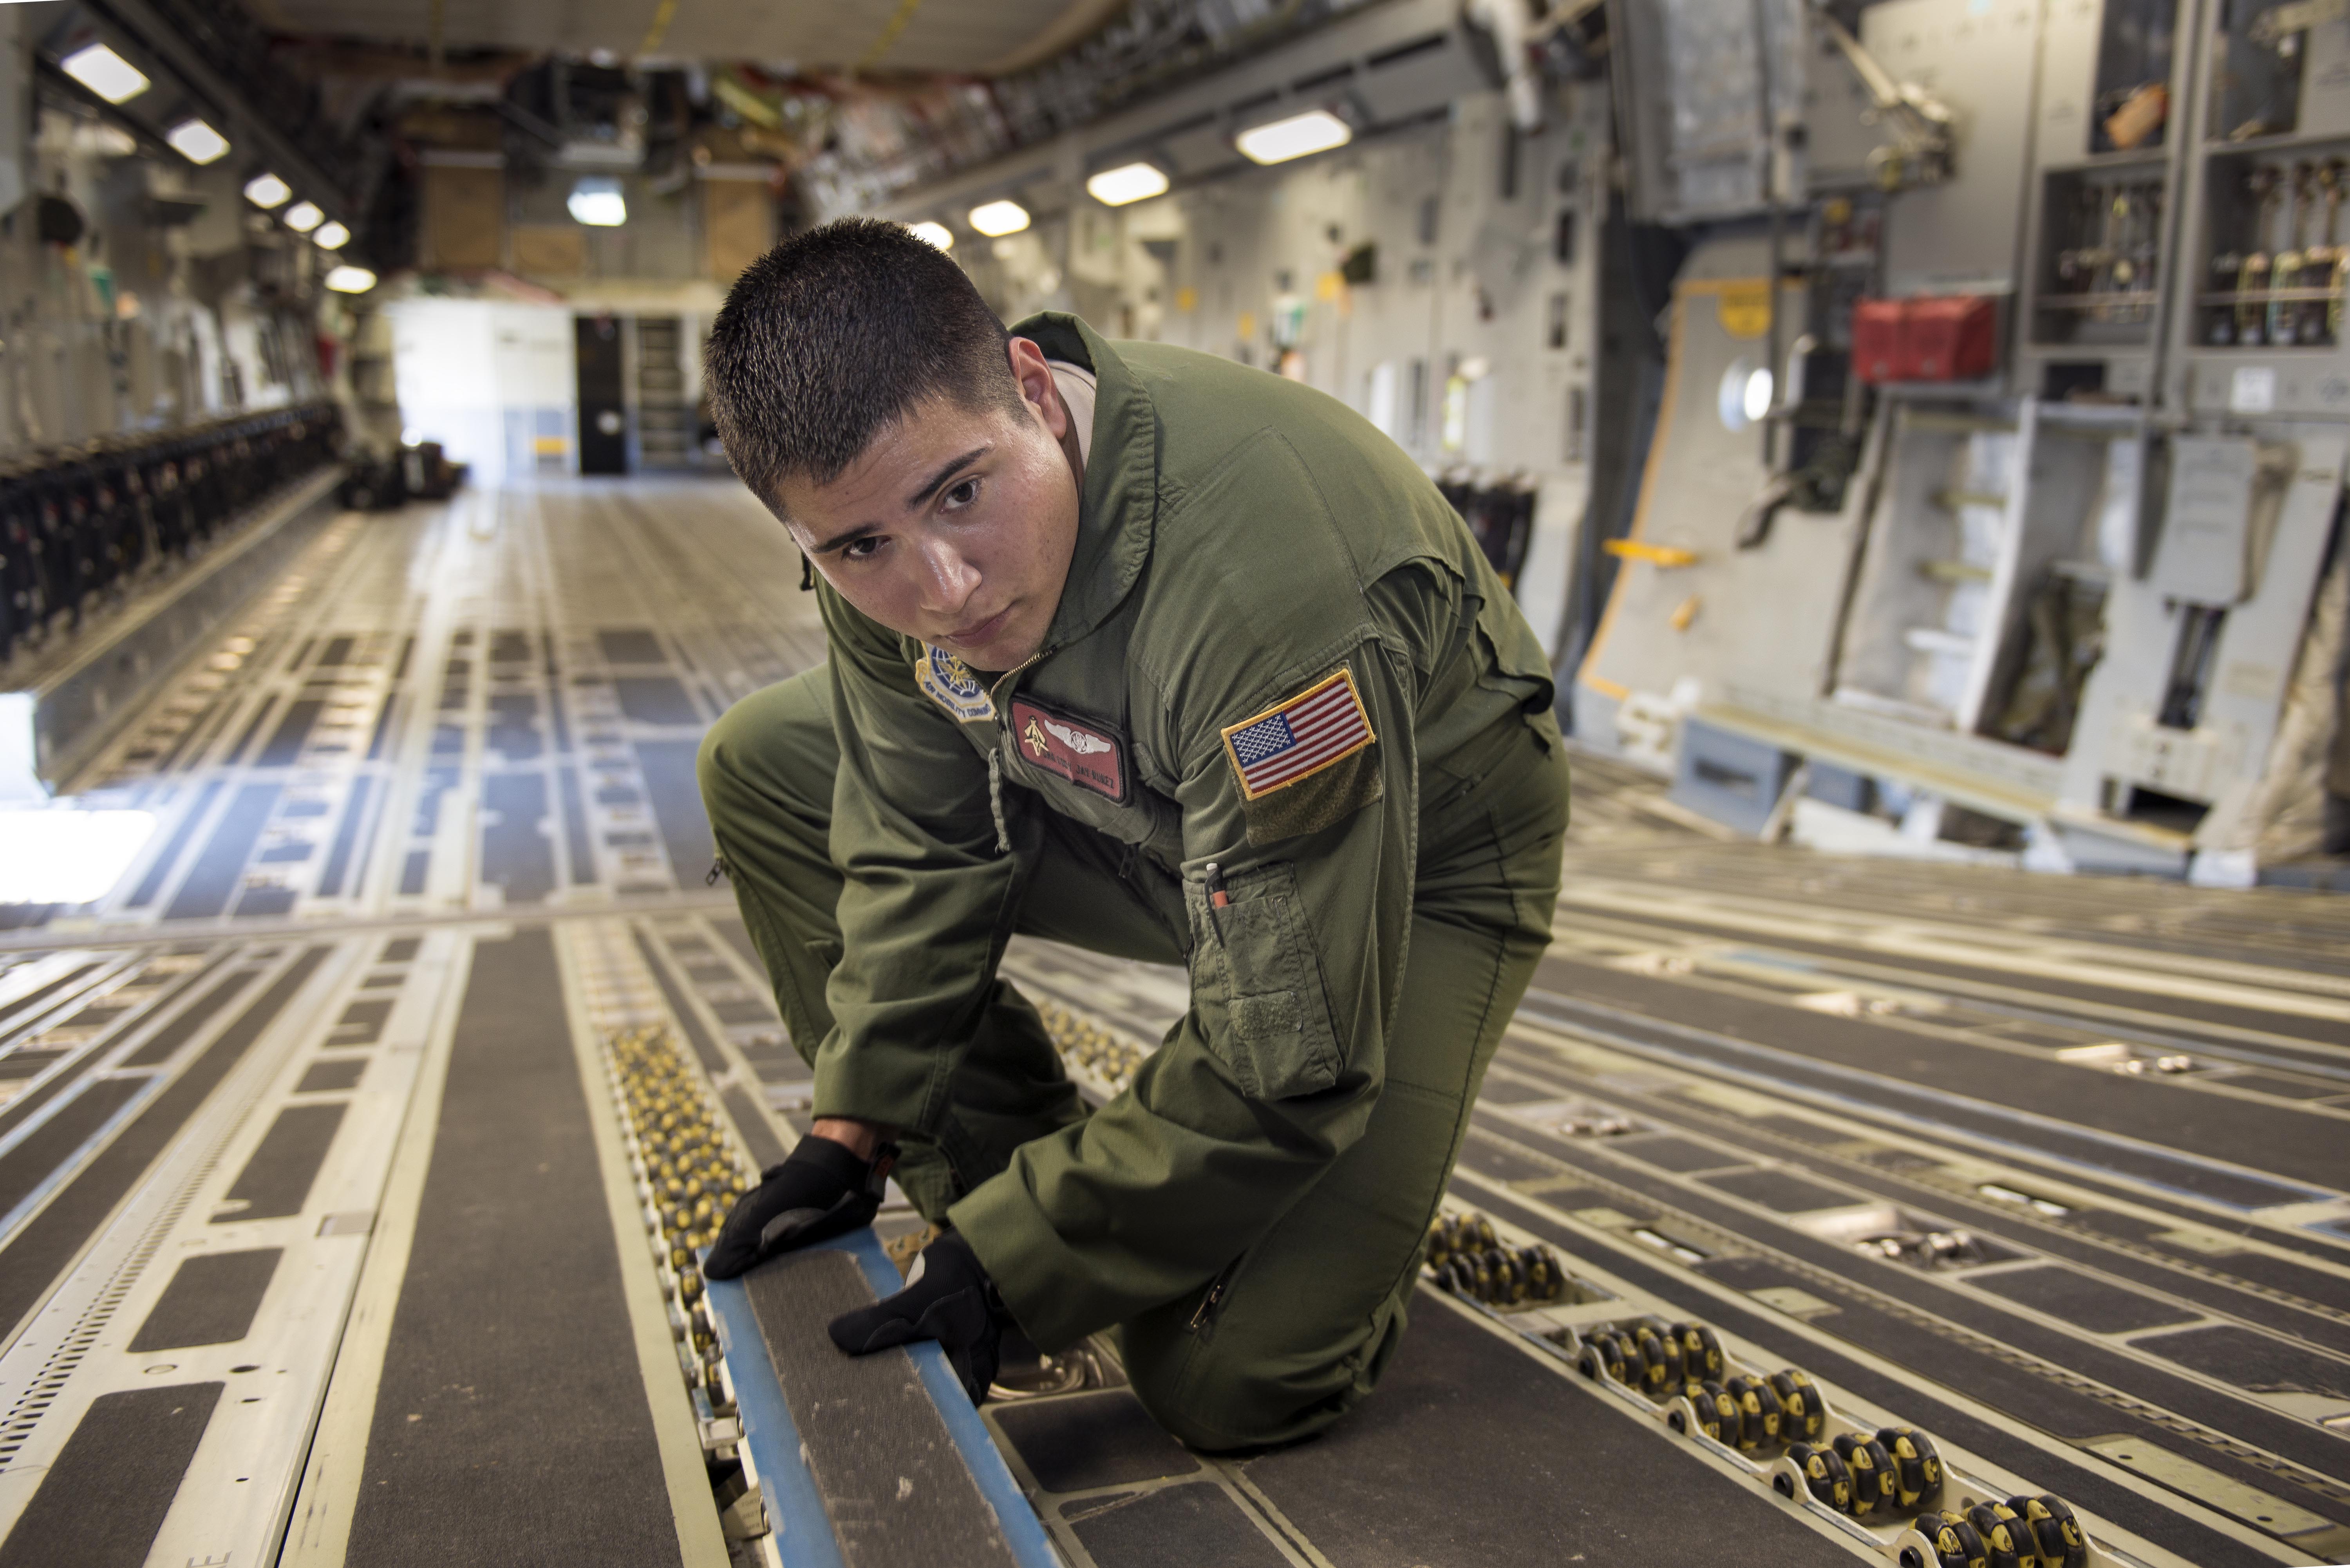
(1082, 742)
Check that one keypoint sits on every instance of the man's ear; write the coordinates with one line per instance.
(1037, 388)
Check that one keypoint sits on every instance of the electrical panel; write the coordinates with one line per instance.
(2086, 319)
(2257, 327)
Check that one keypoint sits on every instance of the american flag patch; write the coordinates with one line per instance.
(1322, 725)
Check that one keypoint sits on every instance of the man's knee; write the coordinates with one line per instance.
(1233, 1391)
(773, 747)
(1228, 1406)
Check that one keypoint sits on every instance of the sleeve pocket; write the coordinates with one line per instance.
(1255, 965)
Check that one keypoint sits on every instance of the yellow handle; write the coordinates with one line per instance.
(1655, 554)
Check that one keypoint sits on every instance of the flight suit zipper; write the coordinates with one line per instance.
(1216, 1288)
(995, 802)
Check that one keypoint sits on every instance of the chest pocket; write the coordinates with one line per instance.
(1098, 788)
(1259, 986)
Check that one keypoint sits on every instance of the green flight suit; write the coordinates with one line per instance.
(1261, 581)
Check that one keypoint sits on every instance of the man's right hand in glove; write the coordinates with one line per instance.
(824, 1189)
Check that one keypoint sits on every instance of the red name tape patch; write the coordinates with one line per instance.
(1086, 755)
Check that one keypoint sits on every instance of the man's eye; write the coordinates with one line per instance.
(860, 550)
(962, 494)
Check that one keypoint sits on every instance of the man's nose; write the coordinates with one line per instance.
(948, 578)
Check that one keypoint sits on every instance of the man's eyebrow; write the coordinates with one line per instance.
(938, 481)
(843, 540)
(947, 470)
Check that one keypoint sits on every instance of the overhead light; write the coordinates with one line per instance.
(331, 237)
(596, 202)
(1128, 183)
(348, 279)
(267, 191)
(105, 73)
(303, 216)
(1315, 130)
(197, 143)
(998, 218)
(931, 234)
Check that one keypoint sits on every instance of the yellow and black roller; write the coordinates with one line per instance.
(1874, 1490)
(1825, 1475)
(1440, 1244)
(1483, 1228)
(1806, 1420)
(1603, 1357)
(1501, 1269)
(1638, 1339)
(1701, 1351)
(1761, 1414)
(1956, 1544)
(1718, 1415)
(2055, 1532)
(1916, 1468)
(1660, 1362)
(2008, 1543)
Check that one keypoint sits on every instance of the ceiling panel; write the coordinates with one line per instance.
(941, 35)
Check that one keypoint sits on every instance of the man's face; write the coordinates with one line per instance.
(955, 525)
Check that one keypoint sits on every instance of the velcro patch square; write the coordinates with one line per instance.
(1299, 738)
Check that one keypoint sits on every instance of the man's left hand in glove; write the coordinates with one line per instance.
(823, 1190)
(948, 1297)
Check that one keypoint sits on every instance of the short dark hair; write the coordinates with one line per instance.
(831, 337)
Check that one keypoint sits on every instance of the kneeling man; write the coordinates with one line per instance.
(1143, 651)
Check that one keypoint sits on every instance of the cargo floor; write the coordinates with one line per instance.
(320, 1238)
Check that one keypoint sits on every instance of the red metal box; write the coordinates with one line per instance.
(1945, 338)
(1953, 337)
(1876, 338)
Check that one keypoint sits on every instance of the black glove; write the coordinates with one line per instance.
(821, 1190)
(948, 1298)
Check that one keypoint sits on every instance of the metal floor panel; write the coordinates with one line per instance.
(509, 1418)
(313, 1111)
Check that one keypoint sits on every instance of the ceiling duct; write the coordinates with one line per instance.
(586, 117)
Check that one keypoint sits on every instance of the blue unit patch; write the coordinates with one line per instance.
(953, 686)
